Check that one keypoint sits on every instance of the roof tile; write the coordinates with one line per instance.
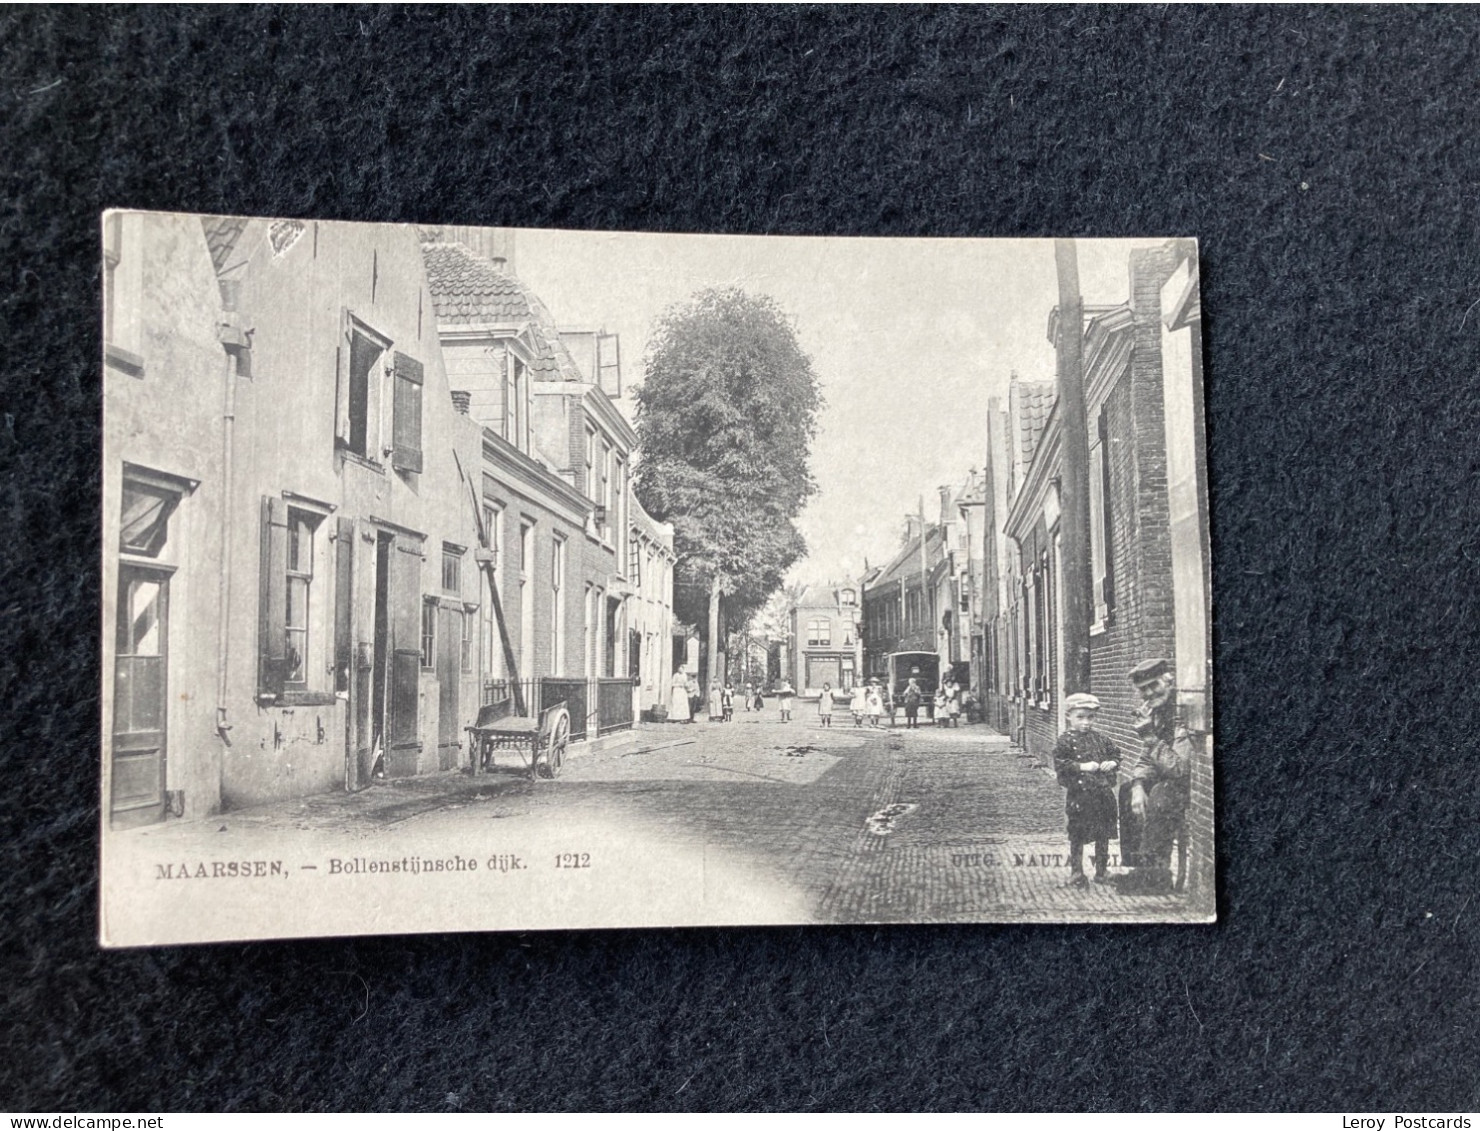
(470, 290)
(1034, 402)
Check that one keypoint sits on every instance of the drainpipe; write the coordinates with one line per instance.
(236, 344)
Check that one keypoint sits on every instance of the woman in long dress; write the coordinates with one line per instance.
(678, 706)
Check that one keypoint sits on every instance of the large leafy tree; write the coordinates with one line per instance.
(726, 418)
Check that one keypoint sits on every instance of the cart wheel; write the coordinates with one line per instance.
(555, 746)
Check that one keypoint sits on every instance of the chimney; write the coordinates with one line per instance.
(945, 504)
(493, 244)
(462, 401)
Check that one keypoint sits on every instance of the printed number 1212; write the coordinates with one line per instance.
(573, 860)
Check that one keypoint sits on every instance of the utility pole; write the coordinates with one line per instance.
(1074, 472)
(712, 673)
(903, 587)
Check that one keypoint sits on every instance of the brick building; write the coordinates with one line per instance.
(1014, 443)
(951, 579)
(971, 581)
(1147, 517)
(999, 574)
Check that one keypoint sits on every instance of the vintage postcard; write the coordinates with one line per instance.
(471, 578)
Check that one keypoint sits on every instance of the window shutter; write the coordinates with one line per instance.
(406, 451)
(344, 549)
(341, 366)
(609, 364)
(405, 728)
(405, 595)
(508, 397)
(272, 643)
(1107, 515)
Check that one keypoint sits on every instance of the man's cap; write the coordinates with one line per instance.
(1081, 701)
(1148, 670)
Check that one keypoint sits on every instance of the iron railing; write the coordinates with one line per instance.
(614, 700)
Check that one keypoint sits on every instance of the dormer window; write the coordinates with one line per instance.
(516, 418)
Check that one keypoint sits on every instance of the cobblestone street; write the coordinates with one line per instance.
(979, 831)
(777, 822)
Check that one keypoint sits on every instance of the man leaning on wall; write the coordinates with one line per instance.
(1158, 776)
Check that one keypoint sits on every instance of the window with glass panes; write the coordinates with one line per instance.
(429, 634)
(557, 604)
(452, 568)
(300, 585)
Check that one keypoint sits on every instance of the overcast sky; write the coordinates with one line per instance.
(909, 339)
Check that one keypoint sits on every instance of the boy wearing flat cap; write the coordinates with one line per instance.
(1086, 763)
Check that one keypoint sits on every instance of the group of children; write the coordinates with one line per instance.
(867, 702)
(722, 703)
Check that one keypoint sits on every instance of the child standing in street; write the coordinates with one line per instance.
(859, 706)
(953, 701)
(825, 705)
(727, 703)
(875, 705)
(785, 693)
(1087, 764)
(912, 698)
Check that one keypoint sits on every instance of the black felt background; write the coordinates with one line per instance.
(1328, 161)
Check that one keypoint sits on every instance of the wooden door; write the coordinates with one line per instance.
(449, 673)
(140, 691)
(403, 750)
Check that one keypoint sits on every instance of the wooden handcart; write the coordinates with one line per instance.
(540, 742)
